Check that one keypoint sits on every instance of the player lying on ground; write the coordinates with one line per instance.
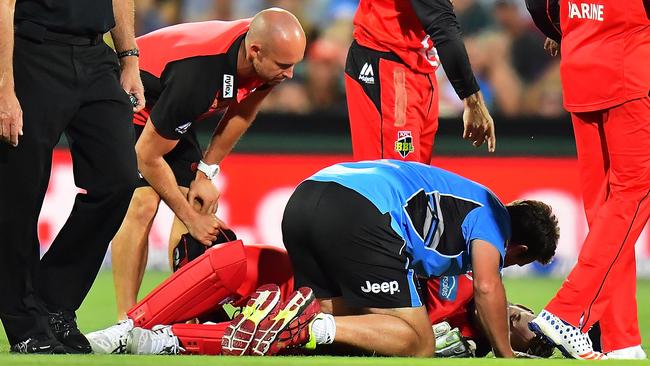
(184, 296)
(358, 234)
(450, 300)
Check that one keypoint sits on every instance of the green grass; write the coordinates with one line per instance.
(98, 311)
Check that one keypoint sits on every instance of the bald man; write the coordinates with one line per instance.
(189, 72)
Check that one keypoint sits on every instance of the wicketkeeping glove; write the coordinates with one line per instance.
(450, 343)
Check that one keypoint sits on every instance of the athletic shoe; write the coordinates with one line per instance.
(239, 334)
(158, 341)
(289, 326)
(629, 353)
(64, 327)
(567, 338)
(111, 340)
(39, 346)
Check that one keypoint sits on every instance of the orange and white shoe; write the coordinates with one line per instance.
(289, 326)
(238, 336)
(567, 338)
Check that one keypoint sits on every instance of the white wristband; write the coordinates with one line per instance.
(210, 170)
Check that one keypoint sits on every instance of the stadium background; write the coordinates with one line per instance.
(303, 126)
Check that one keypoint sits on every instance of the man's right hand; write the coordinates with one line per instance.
(11, 117)
(203, 227)
(552, 47)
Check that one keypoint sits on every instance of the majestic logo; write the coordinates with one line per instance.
(404, 143)
(448, 288)
(228, 86)
(183, 128)
(366, 75)
(385, 287)
(586, 11)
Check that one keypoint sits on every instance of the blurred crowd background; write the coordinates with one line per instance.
(516, 76)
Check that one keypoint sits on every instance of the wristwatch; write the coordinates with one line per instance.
(210, 170)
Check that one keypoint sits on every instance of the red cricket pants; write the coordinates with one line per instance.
(614, 158)
(393, 111)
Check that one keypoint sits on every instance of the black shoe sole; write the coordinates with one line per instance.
(58, 350)
(77, 351)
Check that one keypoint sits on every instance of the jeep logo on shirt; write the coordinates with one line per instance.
(385, 287)
(586, 11)
(228, 86)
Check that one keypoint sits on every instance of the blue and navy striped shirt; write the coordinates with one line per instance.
(436, 212)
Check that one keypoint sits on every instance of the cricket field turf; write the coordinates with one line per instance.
(98, 311)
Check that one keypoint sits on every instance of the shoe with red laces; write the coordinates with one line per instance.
(289, 326)
(238, 336)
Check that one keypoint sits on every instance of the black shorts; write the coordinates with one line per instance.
(183, 159)
(341, 245)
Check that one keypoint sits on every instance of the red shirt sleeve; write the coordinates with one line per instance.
(448, 299)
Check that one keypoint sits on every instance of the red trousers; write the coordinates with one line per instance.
(614, 158)
(393, 111)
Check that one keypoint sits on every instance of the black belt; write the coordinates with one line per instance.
(377, 54)
(40, 34)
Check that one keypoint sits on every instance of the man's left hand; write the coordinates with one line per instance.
(203, 190)
(131, 82)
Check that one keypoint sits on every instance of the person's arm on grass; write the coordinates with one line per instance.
(490, 297)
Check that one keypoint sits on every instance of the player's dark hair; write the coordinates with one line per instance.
(534, 225)
(540, 347)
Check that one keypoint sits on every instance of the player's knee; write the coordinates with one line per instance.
(143, 207)
(115, 186)
(425, 346)
(413, 344)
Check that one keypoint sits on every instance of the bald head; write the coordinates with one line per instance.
(275, 38)
(278, 28)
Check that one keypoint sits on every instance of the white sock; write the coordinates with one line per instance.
(324, 329)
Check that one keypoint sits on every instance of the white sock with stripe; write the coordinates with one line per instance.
(324, 328)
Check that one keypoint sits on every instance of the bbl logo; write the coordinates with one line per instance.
(404, 143)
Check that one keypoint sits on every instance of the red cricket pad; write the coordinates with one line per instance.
(200, 339)
(195, 289)
(266, 264)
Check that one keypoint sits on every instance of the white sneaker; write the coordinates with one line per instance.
(158, 341)
(112, 339)
(629, 353)
(567, 338)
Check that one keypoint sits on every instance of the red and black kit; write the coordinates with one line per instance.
(189, 72)
(390, 76)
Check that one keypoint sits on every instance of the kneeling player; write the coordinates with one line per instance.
(200, 290)
(358, 234)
